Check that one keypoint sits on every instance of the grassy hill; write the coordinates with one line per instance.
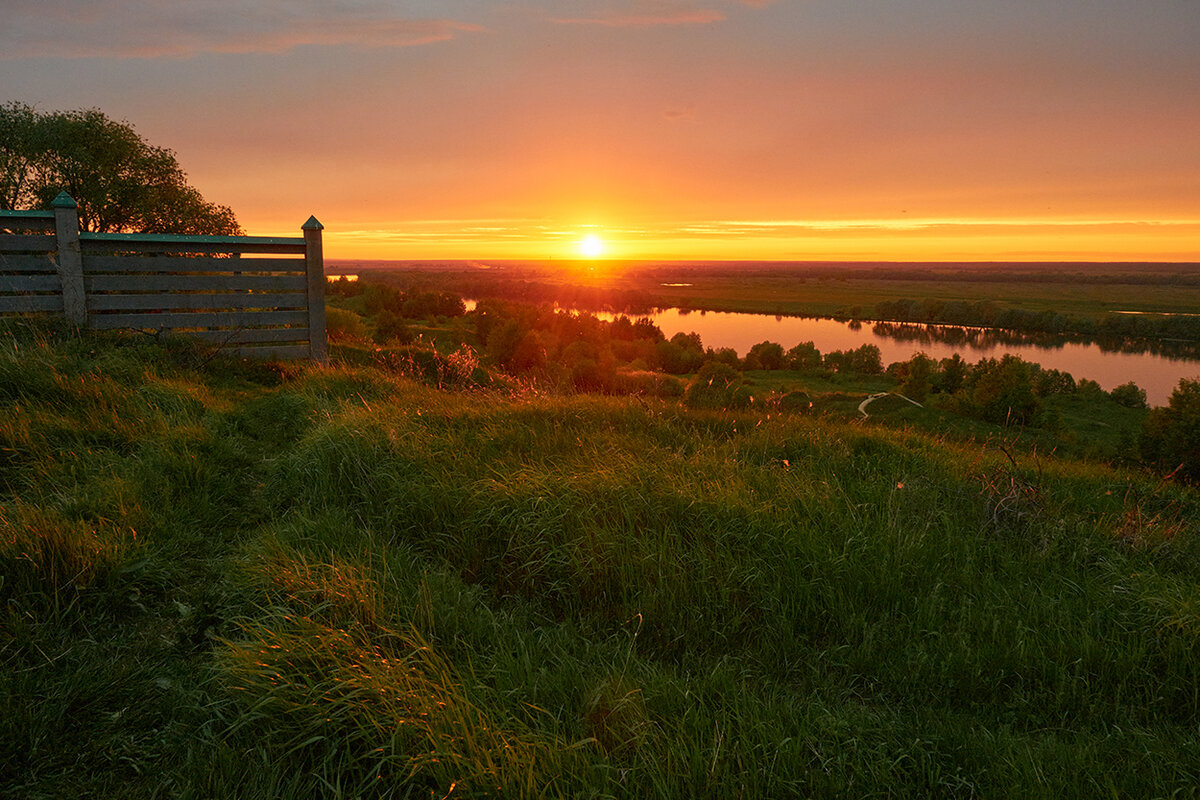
(231, 580)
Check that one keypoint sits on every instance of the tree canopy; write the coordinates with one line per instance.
(121, 182)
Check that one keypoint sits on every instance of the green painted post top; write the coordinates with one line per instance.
(313, 224)
(64, 200)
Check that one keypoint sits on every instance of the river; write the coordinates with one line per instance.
(1157, 374)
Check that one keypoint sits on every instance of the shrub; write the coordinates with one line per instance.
(796, 402)
(717, 385)
(343, 326)
(390, 327)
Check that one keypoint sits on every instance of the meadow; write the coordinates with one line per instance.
(1088, 293)
(369, 579)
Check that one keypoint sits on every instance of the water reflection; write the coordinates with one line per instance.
(990, 338)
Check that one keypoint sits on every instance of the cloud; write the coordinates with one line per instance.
(755, 3)
(645, 14)
(675, 113)
(697, 17)
(158, 28)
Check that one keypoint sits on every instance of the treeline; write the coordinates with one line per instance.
(1007, 390)
(586, 351)
(1113, 274)
(1103, 273)
(591, 298)
(988, 314)
(391, 306)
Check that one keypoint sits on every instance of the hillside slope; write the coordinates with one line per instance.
(221, 579)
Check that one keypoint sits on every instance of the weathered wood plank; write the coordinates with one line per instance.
(34, 214)
(143, 263)
(202, 319)
(315, 259)
(282, 352)
(16, 242)
(31, 264)
(26, 303)
(251, 335)
(91, 244)
(165, 301)
(186, 239)
(27, 220)
(194, 283)
(30, 283)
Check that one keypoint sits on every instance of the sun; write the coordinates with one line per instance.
(591, 246)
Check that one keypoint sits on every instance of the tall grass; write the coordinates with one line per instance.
(339, 582)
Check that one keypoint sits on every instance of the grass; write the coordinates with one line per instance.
(242, 580)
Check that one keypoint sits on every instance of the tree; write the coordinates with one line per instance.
(1129, 395)
(918, 377)
(1171, 434)
(121, 182)
(1002, 391)
(804, 357)
(765, 355)
(951, 374)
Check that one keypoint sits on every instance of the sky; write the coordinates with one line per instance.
(667, 129)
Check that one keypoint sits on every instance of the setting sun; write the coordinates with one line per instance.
(591, 246)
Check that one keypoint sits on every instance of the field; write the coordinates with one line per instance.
(1090, 291)
(224, 579)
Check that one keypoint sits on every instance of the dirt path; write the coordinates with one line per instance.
(862, 407)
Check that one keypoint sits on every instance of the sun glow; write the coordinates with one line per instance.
(591, 246)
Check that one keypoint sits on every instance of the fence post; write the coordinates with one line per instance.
(315, 262)
(70, 260)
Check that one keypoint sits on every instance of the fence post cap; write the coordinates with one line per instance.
(64, 200)
(313, 224)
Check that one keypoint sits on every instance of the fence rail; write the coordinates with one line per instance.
(250, 295)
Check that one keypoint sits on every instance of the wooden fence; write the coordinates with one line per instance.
(248, 295)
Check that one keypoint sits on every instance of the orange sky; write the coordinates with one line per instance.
(740, 129)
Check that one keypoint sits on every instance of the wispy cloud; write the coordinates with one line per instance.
(675, 113)
(644, 14)
(697, 17)
(158, 28)
(787, 227)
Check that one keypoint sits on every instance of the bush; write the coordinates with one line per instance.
(390, 327)
(796, 402)
(645, 383)
(343, 326)
(718, 385)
